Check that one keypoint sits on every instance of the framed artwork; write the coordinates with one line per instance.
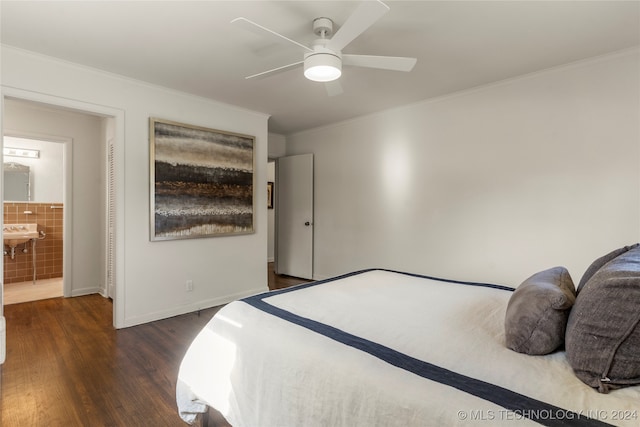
(201, 181)
(269, 195)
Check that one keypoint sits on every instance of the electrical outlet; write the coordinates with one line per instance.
(188, 286)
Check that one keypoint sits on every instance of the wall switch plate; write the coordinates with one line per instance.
(189, 286)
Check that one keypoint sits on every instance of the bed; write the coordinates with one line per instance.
(383, 348)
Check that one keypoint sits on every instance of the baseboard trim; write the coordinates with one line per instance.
(189, 308)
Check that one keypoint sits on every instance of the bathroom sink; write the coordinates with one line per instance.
(15, 234)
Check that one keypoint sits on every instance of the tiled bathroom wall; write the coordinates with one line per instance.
(48, 216)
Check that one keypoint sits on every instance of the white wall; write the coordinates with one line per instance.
(277, 148)
(492, 184)
(277, 145)
(151, 275)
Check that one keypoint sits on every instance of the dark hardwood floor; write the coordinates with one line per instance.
(67, 366)
(278, 281)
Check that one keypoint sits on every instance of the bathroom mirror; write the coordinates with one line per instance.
(17, 182)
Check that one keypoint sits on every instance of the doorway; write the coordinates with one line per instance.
(90, 127)
(271, 211)
(35, 171)
(294, 216)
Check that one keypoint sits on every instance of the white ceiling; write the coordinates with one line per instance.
(192, 47)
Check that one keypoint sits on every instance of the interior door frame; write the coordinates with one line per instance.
(67, 199)
(119, 132)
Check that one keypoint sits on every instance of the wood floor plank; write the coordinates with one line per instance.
(67, 366)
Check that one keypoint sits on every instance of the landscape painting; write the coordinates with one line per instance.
(202, 181)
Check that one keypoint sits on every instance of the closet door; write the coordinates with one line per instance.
(294, 216)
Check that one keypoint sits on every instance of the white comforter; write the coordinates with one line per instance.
(261, 370)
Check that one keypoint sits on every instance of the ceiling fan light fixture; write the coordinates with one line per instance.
(322, 67)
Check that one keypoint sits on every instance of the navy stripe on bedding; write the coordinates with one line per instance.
(526, 407)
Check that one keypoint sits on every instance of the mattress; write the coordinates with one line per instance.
(383, 348)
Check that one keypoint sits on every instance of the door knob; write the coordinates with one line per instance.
(307, 223)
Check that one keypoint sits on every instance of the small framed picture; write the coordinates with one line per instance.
(270, 195)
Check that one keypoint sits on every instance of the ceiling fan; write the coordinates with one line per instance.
(323, 61)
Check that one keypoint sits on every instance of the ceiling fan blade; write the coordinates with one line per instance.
(394, 63)
(333, 88)
(263, 31)
(275, 70)
(362, 18)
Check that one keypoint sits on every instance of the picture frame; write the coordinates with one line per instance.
(269, 195)
(202, 181)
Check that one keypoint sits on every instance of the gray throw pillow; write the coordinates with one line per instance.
(601, 262)
(603, 332)
(538, 310)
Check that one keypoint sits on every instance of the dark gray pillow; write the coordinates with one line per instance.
(538, 310)
(600, 262)
(603, 333)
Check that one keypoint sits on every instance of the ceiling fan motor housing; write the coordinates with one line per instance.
(323, 27)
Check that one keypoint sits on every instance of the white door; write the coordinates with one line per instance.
(294, 216)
